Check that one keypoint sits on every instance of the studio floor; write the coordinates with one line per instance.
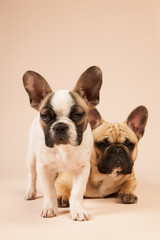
(21, 219)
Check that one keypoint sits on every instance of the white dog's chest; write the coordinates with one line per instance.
(64, 158)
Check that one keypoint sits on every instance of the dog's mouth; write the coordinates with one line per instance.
(117, 170)
(61, 141)
(62, 133)
(57, 142)
(116, 163)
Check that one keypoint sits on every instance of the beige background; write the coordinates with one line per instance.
(60, 39)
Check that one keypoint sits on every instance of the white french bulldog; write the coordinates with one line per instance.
(60, 138)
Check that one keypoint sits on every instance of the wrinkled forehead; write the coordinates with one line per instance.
(62, 102)
(115, 132)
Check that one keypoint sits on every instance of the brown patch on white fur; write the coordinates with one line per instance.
(79, 102)
(46, 101)
(44, 104)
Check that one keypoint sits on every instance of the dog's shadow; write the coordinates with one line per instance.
(97, 206)
(106, 206)
(37, 197)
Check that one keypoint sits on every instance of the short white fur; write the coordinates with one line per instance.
(62, 102)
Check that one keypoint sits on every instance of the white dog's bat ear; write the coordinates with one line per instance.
(36, 87)
(137, 120)
(94, 118)
(89, 84)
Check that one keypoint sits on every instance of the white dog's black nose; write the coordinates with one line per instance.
(60, 128)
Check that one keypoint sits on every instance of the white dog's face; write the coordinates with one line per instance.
(63, 125)
(64, 114)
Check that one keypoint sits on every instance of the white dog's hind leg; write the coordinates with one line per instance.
(32, 176)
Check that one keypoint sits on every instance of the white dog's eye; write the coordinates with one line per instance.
(45, 117)
(76, 116)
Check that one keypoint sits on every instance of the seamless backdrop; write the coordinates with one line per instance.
(60, 39)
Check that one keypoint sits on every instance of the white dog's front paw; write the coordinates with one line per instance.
(79, 214)
(49, 211)
(30, 194)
